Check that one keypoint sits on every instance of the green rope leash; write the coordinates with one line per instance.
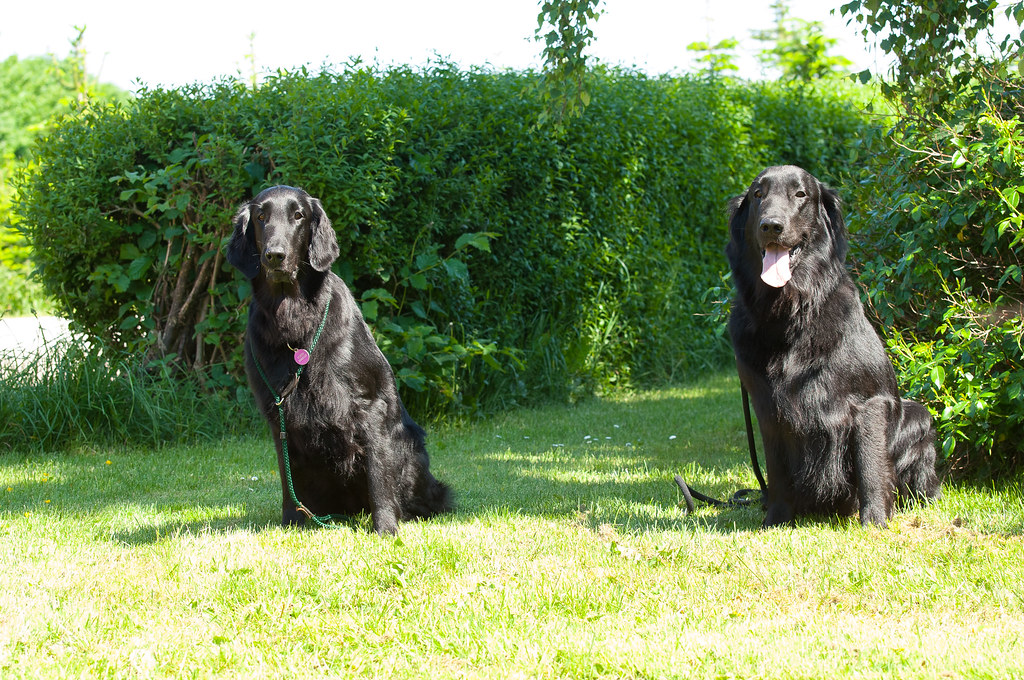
(302, 358)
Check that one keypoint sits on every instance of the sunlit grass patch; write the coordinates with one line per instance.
(572, 560)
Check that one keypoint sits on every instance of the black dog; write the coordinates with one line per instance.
(838, 437)
(317, 374)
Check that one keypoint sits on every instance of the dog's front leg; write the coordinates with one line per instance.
(383, 501)
(290, 515)
(780, 493)
(873, 465)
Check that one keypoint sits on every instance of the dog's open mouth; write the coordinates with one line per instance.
(776, 264)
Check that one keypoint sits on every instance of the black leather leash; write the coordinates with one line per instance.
(743, 496)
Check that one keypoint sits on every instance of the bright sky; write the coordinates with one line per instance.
(186, 41)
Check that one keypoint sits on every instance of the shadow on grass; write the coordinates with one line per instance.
(609, 460)
(603, 461)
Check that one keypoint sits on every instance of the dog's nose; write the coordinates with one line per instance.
(274, 257)
(773, 225)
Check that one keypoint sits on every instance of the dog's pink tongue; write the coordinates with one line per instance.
(775, 266)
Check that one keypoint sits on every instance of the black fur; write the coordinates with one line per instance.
(352, 445)
(838, 437)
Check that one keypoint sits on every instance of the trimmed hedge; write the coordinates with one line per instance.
(495, 259)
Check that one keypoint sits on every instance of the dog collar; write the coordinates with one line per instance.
(300, 356)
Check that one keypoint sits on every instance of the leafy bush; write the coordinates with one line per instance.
(494, 258)
(941, 243)
(35, 89)
(941, 265)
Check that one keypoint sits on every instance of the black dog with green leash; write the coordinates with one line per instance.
(345, 442)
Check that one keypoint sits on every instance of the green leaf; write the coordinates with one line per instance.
(1012, 272)
(456, 269)
(146, 240)
(480, 240)
(129, 251)
(178, 155)
(491, 361)
(427, 260)
(419, 282)
(255, 170)
(140, 266)
(380, 295)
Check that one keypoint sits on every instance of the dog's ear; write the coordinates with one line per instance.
(242, 251)
(832, 214)
(739, 206)
(323, 242)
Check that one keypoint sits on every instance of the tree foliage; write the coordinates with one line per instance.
(798, 49)
(566, 28)
(938, 46)
(718, 59)
(941, 240)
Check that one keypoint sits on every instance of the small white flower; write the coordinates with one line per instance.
(671, 437)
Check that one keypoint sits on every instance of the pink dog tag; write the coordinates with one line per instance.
(301, 357)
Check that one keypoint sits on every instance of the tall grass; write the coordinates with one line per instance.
(71, 392)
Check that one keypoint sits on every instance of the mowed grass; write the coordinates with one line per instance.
(568, 557)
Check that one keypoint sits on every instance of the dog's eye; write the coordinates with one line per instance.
(758, 193)
(261, 217)
(801, 194)
(298, 214)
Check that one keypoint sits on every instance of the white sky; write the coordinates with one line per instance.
(187, 41)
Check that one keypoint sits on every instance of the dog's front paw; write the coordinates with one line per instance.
(870, 516)
(291, 517)
(385, 522)
(779, 514)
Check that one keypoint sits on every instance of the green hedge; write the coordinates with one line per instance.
(495, 259)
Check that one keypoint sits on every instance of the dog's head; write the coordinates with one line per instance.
(279, 232)
(786, 220)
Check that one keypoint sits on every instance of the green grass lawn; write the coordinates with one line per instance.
(568, 557)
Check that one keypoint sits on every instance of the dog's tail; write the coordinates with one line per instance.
(914, 451)
(432, 497)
